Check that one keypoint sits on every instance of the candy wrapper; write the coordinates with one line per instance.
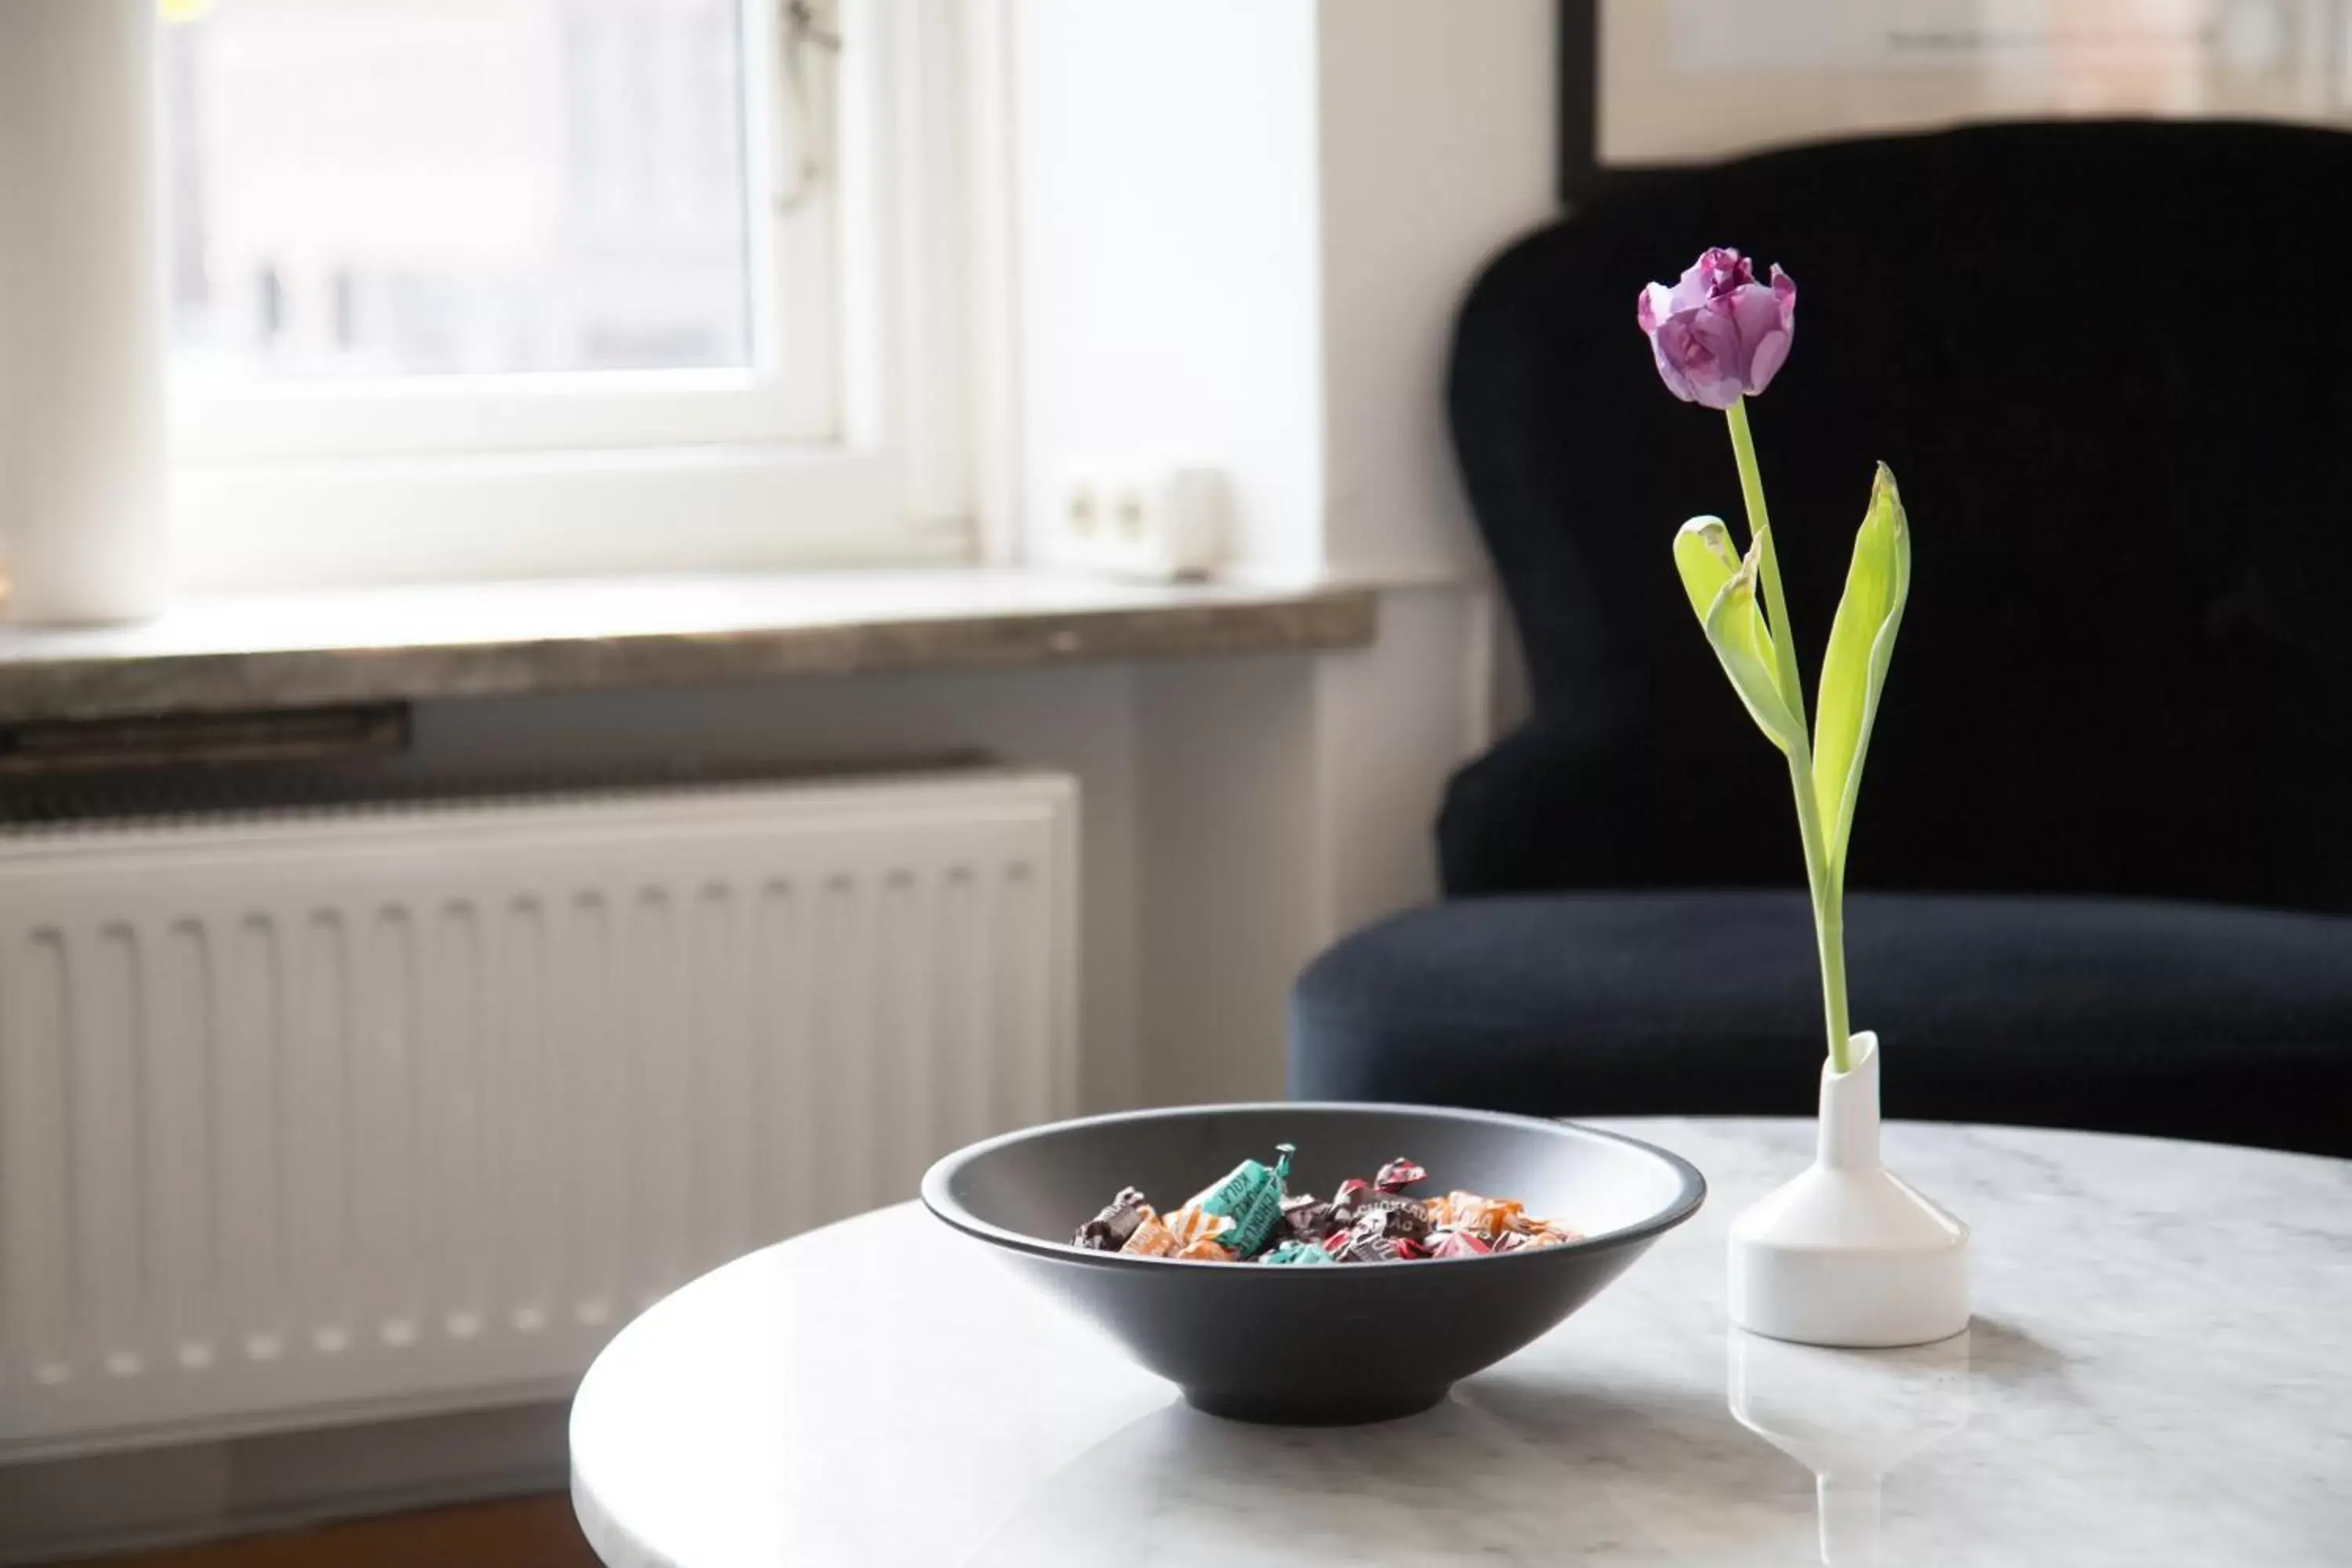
(1295, 1252)
(1364, 1245)
(1251, 1197)
(1109, 1231)
(1151, 1238)
(1306, 1217)
(1399, 1219)
(1249, 1217)
(1193, 1225)
(1486, 1218)
(1541, 1234)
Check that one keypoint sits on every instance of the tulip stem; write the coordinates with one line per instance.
(1822, 880)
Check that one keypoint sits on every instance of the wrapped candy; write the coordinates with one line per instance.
(1109, 1231)
(1251, 1198)
(1486, 1218)
(1541, 1233)
(1295, 1252)
(1248, 1216)
(1371, 1248)
(1193, 1225)
(1306, 1217)
(1399, 1219)
(1152, 1238)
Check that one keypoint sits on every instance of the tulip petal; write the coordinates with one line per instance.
(1853, 670)
(1656, 303)
(1764, 361)
(1670, 345)
(1763, 334)
(1692, 288)
(1710, 355)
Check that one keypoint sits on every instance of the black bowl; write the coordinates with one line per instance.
(1365, 1342)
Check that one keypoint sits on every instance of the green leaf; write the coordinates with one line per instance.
(1743, 645)
(1706, 559)
(1853, 671)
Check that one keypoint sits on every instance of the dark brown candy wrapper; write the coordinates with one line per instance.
(1370, 1248)
(1109, 1230)
(1397, 1175)
(1306, 1217)
(1405, 1219)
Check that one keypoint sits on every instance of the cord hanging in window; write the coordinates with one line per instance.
(799, 162)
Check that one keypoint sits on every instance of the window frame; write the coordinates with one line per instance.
(845, 442)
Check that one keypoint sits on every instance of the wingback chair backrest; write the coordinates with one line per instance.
(2110, 363)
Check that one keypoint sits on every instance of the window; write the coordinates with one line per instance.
(540, 287)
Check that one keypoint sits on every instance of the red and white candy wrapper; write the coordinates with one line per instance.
(1458, 1243)
(1397, 1175)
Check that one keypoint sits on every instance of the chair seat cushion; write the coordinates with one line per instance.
(2175, 1019)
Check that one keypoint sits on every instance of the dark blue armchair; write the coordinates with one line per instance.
(2103, 862)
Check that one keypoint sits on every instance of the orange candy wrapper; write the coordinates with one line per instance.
(1187, 1232)
(1152, 1238)
(1488, 1219)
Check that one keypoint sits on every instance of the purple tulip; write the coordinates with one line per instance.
(1719, 333)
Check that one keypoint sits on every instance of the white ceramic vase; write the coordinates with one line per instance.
(1847, 1254)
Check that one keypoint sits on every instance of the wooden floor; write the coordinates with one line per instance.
(529, 1532)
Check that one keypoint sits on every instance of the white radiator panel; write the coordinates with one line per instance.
(409, 1109)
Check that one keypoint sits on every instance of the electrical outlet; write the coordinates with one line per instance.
(1137, 520)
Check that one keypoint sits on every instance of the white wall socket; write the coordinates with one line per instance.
(1137, 520)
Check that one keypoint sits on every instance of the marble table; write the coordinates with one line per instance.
(2159, 1372)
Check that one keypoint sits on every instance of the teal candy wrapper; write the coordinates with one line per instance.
(1305, 1253)
(1252, 1196)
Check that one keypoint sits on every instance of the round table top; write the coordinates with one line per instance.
(2159, 1372)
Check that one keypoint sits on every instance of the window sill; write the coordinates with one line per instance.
(394, 643)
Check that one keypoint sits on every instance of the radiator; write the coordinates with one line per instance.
(336, 1114)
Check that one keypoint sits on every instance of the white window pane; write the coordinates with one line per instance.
(372, 188)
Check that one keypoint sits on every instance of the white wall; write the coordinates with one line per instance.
(1437, 127)
(1243, 228)
(1166, 259)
